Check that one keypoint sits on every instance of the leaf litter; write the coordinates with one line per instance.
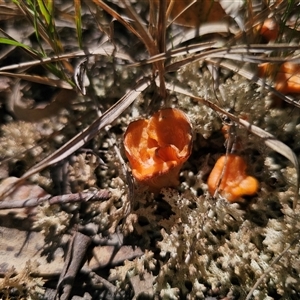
(181, 231)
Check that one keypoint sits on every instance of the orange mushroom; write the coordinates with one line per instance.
(230, 179)
(287, 76)
(158, 147)
(269, 29)
(192, 13)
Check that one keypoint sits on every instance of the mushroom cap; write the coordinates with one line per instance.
(269, 29)
(286, 76)
(193, 13)
(158, 147)
(230, 178)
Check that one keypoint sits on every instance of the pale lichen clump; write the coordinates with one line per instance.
(29, 139)
(138, 266)
(219, 246)
(24, 144)
(23, 285)
(211, 247)
(82, 172)
(50, 219)
(191, 237)
(20, 139)
(205, 121)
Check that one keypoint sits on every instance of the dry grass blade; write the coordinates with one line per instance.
(142, 31)
(87, 134)
(204, 29)
(171, 5)
(7, 12)
(161, 27)
(239, 53)
(107, 50)
(179, 52)
(39, 79)
(268, 138)
(148, 41)
(77, 6)
(281, 148)
(115, 15)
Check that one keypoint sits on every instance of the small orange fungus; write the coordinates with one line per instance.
(287, 76)
(230, 178)
(269, 29)
(192, 13)
(158, 147)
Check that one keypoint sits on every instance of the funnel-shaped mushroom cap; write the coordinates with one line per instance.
(230, 178)
(158, 147)
(286, 77)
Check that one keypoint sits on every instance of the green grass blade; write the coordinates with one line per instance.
(12, 42)
(45, 11)
(77, 5)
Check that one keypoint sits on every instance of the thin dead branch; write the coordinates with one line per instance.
(61, 199)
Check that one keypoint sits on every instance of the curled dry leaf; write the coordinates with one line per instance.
(111, 255)
(158, 147)
(18, 246)
(61, 100)
(23, 191)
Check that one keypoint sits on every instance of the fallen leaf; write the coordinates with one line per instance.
(19, 246)
(60, 100)
(23, 191)
(104, 255)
